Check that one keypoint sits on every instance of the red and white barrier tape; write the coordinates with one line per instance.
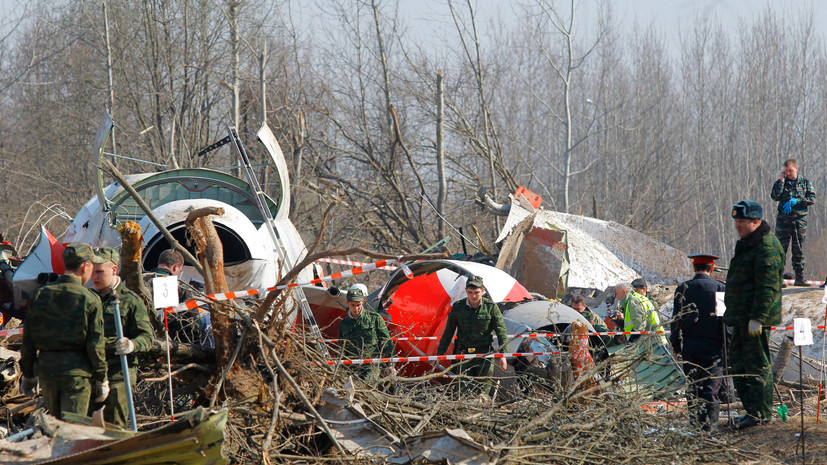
(522, 336)
(791, 282)
(10, 332)
(338, 261)
(192, 303)
(367, 361)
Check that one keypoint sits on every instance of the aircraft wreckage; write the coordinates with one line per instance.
(547, 252)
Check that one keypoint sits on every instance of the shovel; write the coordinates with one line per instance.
(781, 409)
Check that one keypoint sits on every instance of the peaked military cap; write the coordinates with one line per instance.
(355, 295)
(77, 252)
(108, 254)
(702, 258)
(474, 281)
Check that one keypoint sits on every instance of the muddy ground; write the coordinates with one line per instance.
(779, 441)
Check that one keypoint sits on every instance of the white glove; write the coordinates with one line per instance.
(124, 346)
(28, 386)
(101, 390)
(754, 328)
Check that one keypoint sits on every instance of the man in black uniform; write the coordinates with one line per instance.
(698, 336)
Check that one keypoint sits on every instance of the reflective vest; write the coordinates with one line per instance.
(651, 316)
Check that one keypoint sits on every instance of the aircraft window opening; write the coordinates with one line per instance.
(235, 251)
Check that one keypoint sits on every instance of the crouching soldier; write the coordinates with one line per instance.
(364, 334)
(137, 332)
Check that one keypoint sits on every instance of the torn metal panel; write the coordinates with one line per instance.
(448, 446)
(602, 253)
(195, 438)
(356, 433)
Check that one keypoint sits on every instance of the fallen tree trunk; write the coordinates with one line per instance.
(210, 253)
(180, 351)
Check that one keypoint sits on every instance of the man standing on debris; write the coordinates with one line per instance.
(698, 335)
(137, 332)
(474, 319)
(63, 343)
(364, 334)
(794, 194)
(639, 313)
(753, 304)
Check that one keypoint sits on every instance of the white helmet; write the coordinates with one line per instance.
(361, 287)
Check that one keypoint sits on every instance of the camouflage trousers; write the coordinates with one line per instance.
(116, 411)
(66, 394)
(789, 228)
(749, 365)
(481, 368)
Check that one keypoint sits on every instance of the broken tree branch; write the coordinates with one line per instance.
(485, 200)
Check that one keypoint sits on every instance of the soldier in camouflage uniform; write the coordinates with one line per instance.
(63, 343)
(137, 332)
(794, 194)
(474, 319)
(364, 334)
(578, 303)
(753, 304)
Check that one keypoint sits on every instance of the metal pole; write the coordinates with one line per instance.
(124, 364)
(726, 376)
(801, 387)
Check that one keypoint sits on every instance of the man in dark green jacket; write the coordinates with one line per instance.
(364, 334)
(474, 319)
(63, 344)
(137, 332)
(753, 304)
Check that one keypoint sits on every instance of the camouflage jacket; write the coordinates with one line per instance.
(800, 189)
(474, 325)
(135, 323)
(366, 336)
(63, 332)
(599, 326)
(753, 282)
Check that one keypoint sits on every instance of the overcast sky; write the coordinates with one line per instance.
(670, 17)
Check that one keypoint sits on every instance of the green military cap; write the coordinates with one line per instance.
(77, 252)
(107, 254)
(355, 295)
(474, 281)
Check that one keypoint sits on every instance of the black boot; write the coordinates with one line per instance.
(799, 279)
(713, 412)
(747, 421)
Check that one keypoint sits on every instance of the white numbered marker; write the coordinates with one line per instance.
(165, 291)
(803, 330)
(720, 306)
